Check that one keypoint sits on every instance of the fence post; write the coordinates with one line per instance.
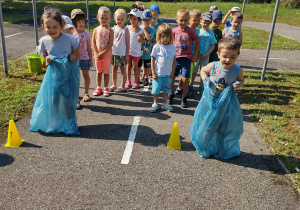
(3, 42)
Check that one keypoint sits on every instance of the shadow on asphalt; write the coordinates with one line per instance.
(6, 160)
(29, 145)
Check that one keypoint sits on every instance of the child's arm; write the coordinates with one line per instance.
(127, 41)
(90, 52)
(195, 56)
(241, 38)
(224, 21)
(212, 47)
(94, 43)
(173, 67)
(141, 38)
(147, 35)
(223, 33)
(109, 46)
(154, 75)
(73, 55)
(240, 80)
(205, 71)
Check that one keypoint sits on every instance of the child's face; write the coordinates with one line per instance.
(80, 25)
(194, 21)
(103, 19)
(52, 28)
(134, 21)
(146, 23)
(236, 23)
(215, 23)
(227, 58)
(154, 19)
(120, 20)
(68, 31)
(205, 24)
(182, 20)
(165, 39)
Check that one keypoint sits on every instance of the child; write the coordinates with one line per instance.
(85, 58)
(103, 38)
(234, 30)
(156, 7)
(218, 119)
(163, 64)
(146, 46)
(183, 40)
(55, 107)
(120, 50)
(226, 22)
(207, 43)
(69, 27)
(214, 27)
(136, 38)
(212, 9)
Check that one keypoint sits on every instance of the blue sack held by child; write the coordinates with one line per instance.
(54, 110)
(218, 123)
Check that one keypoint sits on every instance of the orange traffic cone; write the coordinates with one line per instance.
(174, 141)
(13, 138)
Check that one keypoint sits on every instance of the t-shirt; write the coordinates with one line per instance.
(159, 22)
(194, 45)
(218, 35)
(164, 56)
(119, 46)
(83, 49)
(64, 45)
(183, 41)
(228, 24)
(207, 38)
(147, 45)
(135, 45)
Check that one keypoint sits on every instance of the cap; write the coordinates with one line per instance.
(206, 16)
(135, 12)
(147, 15)
(76, 12)
(68, 22)
(213, 8)
(155, 6)
(235, 9)
(216, 14)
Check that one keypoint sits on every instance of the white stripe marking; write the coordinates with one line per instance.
(274, 58)
(146, 88)
(130, 142)
(13, 35)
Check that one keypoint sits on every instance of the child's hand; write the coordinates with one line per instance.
(48, 60)
(194, 58)
(72, 57)
(139, 38)
(171, 75)
(202, 57)
(126, 58)
(154, 76)
(237, 84)
(100, 56)
(91, 63)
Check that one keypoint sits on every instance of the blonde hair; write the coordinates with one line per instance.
(139, 3)
(229, 43)
(154, 12)
(237, 16)
(183, 11)
(120, 12)
(195, 13)
(102, 10)
(164, 29)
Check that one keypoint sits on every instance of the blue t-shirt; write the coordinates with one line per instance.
(228, 24)
(147, 45)
(207, 38)
(194, 45)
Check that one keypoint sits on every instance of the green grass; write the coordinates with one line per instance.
(9, 18)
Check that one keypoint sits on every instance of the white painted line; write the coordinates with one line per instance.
(274, 58)
(146, 88)
(13, 35)
(130, 142)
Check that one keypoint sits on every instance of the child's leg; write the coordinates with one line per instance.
(87, 81)
(135, 70)
(123, 81)
(146, 72)
(185, 85)
(165, 97)
(106, 80)
(99, 79)
(114, 75)
(129, 67)
(155, 99)
(140, 63)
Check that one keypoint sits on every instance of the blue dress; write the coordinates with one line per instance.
(54, 110)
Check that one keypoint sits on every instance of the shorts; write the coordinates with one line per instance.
(118, 61)
(183, 66)
(84, 64)
(102, 66)
(204, 62)
(195, 66)
(162, 83)
(147, 63)
(199, 64)
(134, 58)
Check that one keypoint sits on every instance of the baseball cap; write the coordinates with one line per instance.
(135, 12)
(76, 12)
(206, 16)
(213, 8)
(147, 15)
(155, 6)
(68, 22)
(216, 14)
(235, 9)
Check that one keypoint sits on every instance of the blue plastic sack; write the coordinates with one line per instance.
(218, 123)
(54, 110)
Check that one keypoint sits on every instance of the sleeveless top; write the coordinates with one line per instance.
(135, 46)
(119, 46)
(102, 39)
(234, 34)
(223, 78)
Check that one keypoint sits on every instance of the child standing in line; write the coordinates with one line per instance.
(158, 20)
(146, 46)
(211, 11)
(69, 27)
(227, 22)
(102, 40)
(234, 30)
(85, 58)
(214, 27)
(120, 50)
(54, 110)
(184, 37)
(163, 64)
(136, 39)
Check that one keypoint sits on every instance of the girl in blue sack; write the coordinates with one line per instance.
(55, 106)
(218, 120)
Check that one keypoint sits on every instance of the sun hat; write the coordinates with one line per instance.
(216, 14)
(135, 12)
(76, 12)
(213, 8)
(155, 6)
(206, 16)
(68, 22)
(235, 9)
(147, 15)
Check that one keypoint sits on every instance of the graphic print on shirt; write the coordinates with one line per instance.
(183, 40)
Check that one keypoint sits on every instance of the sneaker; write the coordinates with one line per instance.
(200, 91)
(146, 82)
(184, 102)
(178, 91)
(170, 98)
(167, 106)
(78, 104)
(154, 107)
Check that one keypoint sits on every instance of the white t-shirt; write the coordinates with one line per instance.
(135, 46)
(119, 46)
(164, 56)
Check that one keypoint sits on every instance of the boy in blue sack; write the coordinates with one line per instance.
(218, 119)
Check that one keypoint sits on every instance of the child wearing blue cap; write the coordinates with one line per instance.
(214, 27)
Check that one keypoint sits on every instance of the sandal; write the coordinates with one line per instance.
(136, 84)
(120, 89)
(106, 92)
(128, 84)
(97, 91)
(112, 88)
(86, 98)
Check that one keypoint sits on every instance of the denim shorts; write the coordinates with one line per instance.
(183, 66)
(162, 83)
(84, 64)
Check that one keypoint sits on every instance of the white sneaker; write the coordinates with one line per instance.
(78, 104)
(154, 107)
(167, 106)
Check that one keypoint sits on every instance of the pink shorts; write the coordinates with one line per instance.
(134, 58)
(102, 65)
